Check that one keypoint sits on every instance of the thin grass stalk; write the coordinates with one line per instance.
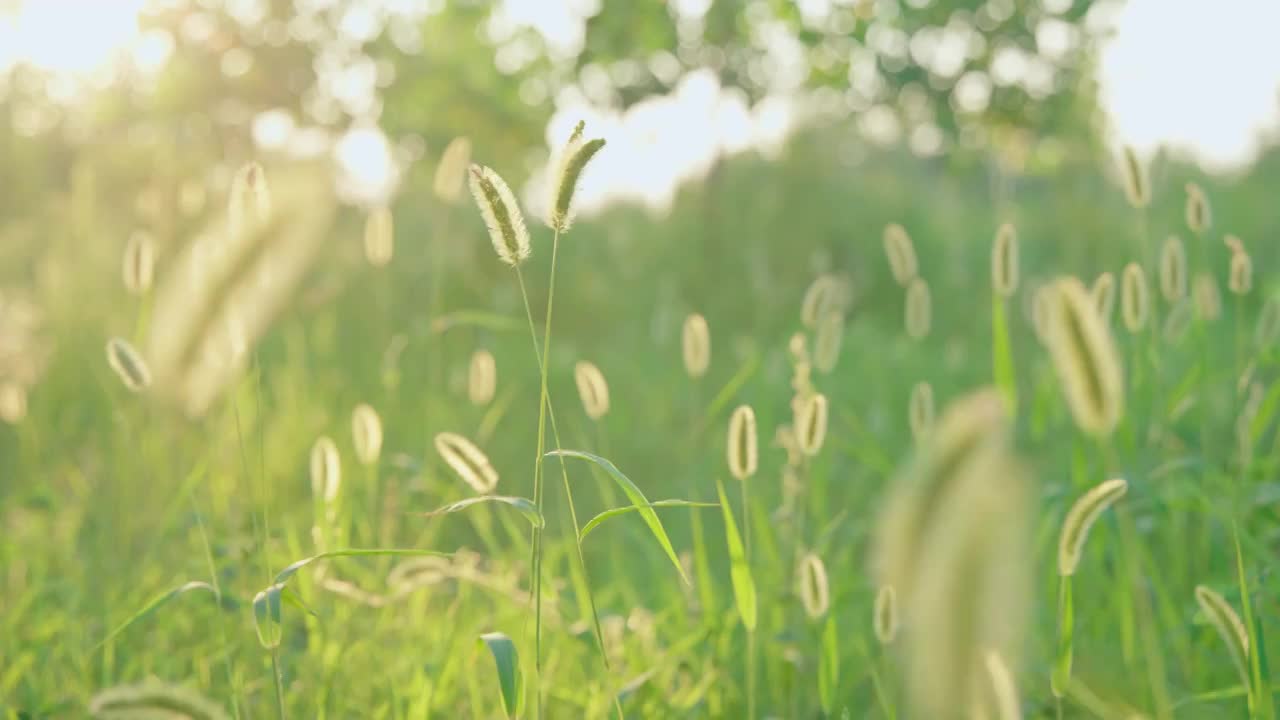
(751, 633)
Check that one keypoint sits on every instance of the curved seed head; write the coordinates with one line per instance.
(1085, 358)
(811, 424)
(128, 365)
(13, 402)
(379, 237)
(919, 309)
(139, 263)
(1041, 309)
(1207, 297)
(451, 172)
(1004, 690)
(1199, 215)
(1229, 627)
(573, 160)
(592, 389)
(326, 470)
(1080, 519)
(743, 453)
(827, 340)
(695, 342)
(1233, 243)
(1104, 295)
(901, 253)
(1004, 261)
(1173, 269)
(885, 620)
(1136, 189)
(501, 215)
(153, 700)
(482, 378)
(366, 433)
(920, 411)
(249, 207)
(1240, 279)
(468, 461)
(815, 592)
(1135, 300)
(822, 297)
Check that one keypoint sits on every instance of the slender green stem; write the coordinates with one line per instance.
(279, 677)
(751, 634)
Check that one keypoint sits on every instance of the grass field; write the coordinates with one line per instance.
(889, 550)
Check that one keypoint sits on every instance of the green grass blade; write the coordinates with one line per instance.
(510, 679)
(1002, 356)
(641, 503)
(744, 587)
(284, 575)
(1060, 681)
(524, 505)
(475, 319)
(155, 604)
(596, 521)
(829, 666)
(1261, 702)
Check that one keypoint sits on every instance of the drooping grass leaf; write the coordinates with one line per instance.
(510, 680)
(476, 319)
(641, 503)
(284, 575)
(615, 512)
(155, 604)
(524, 505)
(744, 587)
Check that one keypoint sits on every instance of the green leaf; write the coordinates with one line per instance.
(474, 318)
(1060, 680)
(615, 512)
(641, 503)
(155, 604)
(284, 575)
(744, 588)
(266, 616)
(829, 666)
(510, 680)
(524, 505)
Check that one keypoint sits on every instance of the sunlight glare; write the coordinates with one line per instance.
(68, 36)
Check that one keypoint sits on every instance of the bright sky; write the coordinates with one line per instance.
(1204, 76)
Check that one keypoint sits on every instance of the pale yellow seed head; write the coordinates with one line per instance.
(901, 253)
(1080, 519)
(1085, 358)
(451, 172)
(822, 297)
(742, 449)
(1233, 243)
(1136, 189)
(326, 470)
(1240, 279)
(379, 237)
(1004, 261)
(1199, 215)
(811, 424)
(1103, 292)
(919, 309)
(467, 461)
(1041, 309)
(1004, 690)
(501, 213)
(1208, 299)
(482, 378)
(827, 340)
(249, 207)
(695, 343)
(572, 160)
(592, 389)
(920, 411)
(139, 263)
(13, 402)
(366, 434)
(1173, 269)
(885, 615)
(1135, 300)
(815, 590)
(1224, 619)
(128, 365)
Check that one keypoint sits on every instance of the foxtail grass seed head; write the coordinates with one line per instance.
(1267, 331)
(919, 309)
(501, 215)
(13, 402)
(592, 389)
(1208, 298)
(573, 160)
(1233, 243)
(468, 461)
(326, 470)
(379, 237)
(822, 297)
(1136, 189)
(1080, 519)
(153, 700)
(451, 172)
(482, 378)
(1240, 279)
(815, 592)
(139, 263)
(366, 433)
(695, 343)
(901, 254)
(1199, 215)
(827, 340)
(1135, 299)
(128, 365)
(885, 620)
(920, 410)
(1173, 269)
(1104, 295)
(1041, 310)
(811, 424)
(1178, 321)
(1085, 358)
(1004, 690)
(743, 453)
(1229, 627)
(250, 203)
(1004, 261)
